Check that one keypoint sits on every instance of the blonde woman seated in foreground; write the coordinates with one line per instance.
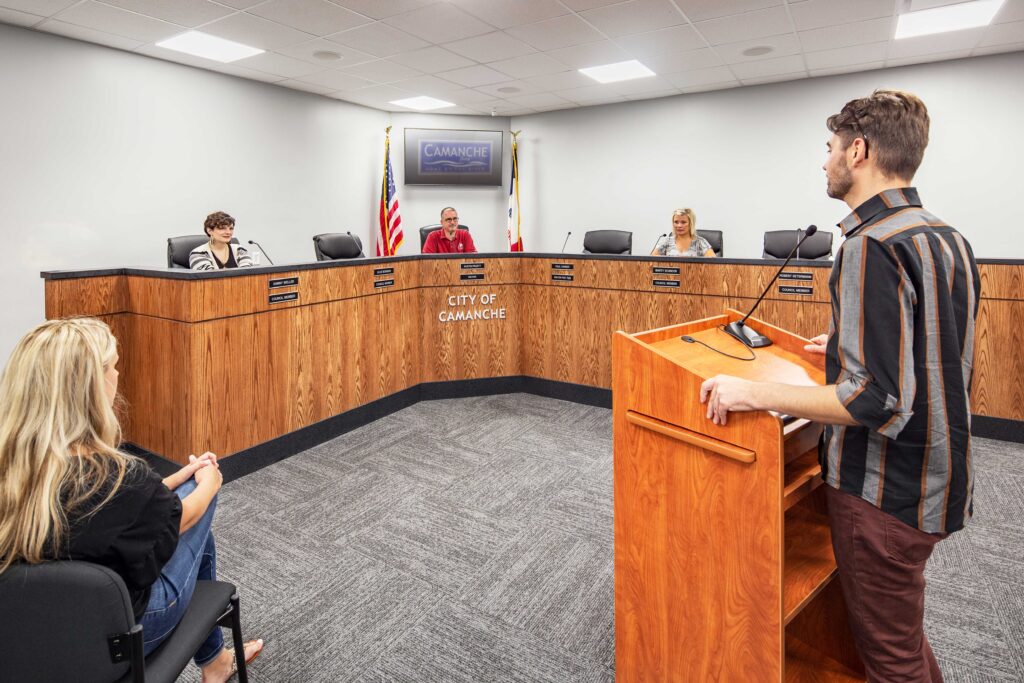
(684, 240)
(68, 493)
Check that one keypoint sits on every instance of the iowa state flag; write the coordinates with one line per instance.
(515, 239)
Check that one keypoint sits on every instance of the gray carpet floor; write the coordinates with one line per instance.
(471, 540)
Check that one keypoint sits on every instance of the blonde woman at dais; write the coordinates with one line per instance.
(683, 240)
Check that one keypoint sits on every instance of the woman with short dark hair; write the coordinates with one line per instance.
(219, 252)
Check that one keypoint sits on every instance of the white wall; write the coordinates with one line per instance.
(749, 160)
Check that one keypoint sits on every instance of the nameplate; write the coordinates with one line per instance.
(471, 276)
(281, 298)
(382, 271)
(277, 283)
(471, 266)
(665, 270)
(665, 283)
(562, 266)
(807, 277)
(792, 289)
(561, 278)
(377, 284)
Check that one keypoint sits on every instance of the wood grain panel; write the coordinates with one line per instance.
(85, 296)
(445, 272)
(998, 382)
(1002, 281)
(160, 297)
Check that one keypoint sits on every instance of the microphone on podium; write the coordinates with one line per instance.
(566, 240)
(738, 329)
(664, 234)
(262, 250)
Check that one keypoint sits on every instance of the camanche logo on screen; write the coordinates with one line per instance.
(464, 307)
(455, 157)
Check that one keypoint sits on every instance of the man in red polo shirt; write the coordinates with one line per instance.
(449, 239)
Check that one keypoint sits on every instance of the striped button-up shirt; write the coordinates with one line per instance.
(905, 292)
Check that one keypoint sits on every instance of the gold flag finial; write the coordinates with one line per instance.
(387, 131)
(515, 132)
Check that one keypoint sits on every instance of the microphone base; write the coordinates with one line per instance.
(747, 336)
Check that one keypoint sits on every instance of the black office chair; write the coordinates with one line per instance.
(607, 242)
(778, 244)
(178, 248)
(427, 229)
(332, 246)
(714, 238)
(73, 621)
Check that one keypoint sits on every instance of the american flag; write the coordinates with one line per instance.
(515, 240)
(390, 236)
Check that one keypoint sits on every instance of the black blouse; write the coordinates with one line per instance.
(134, 534)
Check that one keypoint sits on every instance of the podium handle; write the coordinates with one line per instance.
(702, 441)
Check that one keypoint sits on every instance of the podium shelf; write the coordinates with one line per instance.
(804, 664)
(800, 477)
(809, 562)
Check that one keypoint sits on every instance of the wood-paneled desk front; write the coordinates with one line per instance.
(225, 361)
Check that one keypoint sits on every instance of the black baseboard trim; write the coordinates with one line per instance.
(997, 428)
(267, 453)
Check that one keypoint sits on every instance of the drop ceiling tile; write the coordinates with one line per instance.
(280, 65)
(16, 18)
(468, 96)
(782, 46)
(642, 85)
(561, 81)
(997, 49)
(335, 80)
(43, 8)
(657, 94)
(118, 22)
(317, 17)
(544, 99)
(1002, 34)
(378, 39)
(257, 32)
(555, 33)
(242, 72)
(473, 76)
(683, 61)
(590, 54)
(769, 67)
(634, 16)
(88, 34)
(592, 93)
(382, 10)
(817, 13)
(741, 27)
(936, 44)
(708, 87)
(381, 71)
(777, 78)
(845, 56)
(240, 4)
(535, 64)
(661, 42)
(378, 94)
(700, 10)
(850, 68)
(505, 14)
(432, 59)
(928, 58)
(502, 89)
(190, 13)
(439, 23)
(1012, 10)
(306, 87)
(583, 5)
(429, 85)
(688, 79)
(844, 35)
(490, 47)
(307, 53)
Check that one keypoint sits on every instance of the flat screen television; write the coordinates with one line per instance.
(452, 157)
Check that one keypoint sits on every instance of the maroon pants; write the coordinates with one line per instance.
(881, 566)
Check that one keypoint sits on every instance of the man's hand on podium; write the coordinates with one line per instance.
(723, 393)
(817, 344)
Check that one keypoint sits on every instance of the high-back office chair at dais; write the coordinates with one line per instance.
(714, 238)
(427, 229)
(331, 246)
(778, 244)
(608, 242)
(73, 621)
(178, 248)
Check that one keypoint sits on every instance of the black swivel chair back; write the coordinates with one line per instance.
(332, 246)
(778, 244)
(608, 242)
(714, 238)
(178, 248)
(73, 621)
(427, 229)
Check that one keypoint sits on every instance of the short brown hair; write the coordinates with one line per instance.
(216, 220)
(894, 126)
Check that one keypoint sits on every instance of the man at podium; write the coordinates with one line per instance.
(898, 358)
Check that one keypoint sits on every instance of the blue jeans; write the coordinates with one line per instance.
(194, 559)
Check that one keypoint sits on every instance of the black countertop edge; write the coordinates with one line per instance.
(1000, 261)
(184, 274)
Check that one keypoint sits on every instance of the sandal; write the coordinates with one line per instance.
(248, 660)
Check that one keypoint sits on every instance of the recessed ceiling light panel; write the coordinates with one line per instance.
(422, 103)
(619, 71)
(948, 18)
(209, 47)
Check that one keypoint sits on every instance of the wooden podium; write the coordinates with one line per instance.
(724, 568)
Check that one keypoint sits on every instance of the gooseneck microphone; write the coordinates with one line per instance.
(263, 250)
(660, 237)
(738, 329)
(566, 240)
